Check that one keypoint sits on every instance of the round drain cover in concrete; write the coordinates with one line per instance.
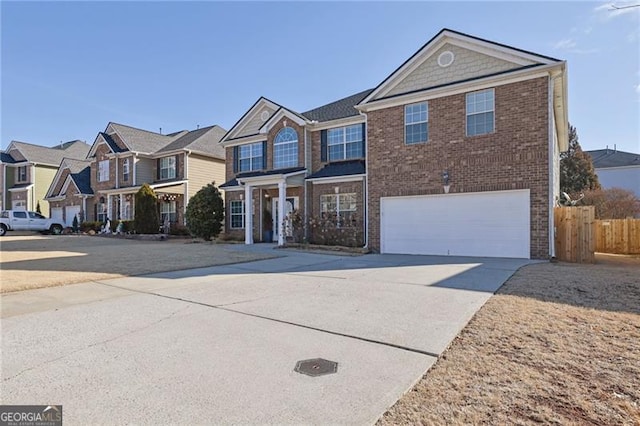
(316, 367)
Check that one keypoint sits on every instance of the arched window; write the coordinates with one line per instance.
(285, 149)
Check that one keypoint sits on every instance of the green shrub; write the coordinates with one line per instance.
(205, 213)
(146, 220)
(178, 229)
(127, 226)
(91, 226)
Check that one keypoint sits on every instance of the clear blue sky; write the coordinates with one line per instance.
(68, 68)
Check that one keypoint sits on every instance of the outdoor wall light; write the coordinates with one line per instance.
(336, 189)
(445, 181)
(241, 196)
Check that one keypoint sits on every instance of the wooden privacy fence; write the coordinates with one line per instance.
(618, 236)
(575, 234)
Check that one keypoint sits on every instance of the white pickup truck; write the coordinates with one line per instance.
(22, 220)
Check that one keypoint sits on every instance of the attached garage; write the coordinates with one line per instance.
(70, 213)
(56, 213)
(488, 224)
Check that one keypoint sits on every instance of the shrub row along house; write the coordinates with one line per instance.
(455, 153)
(122, 159)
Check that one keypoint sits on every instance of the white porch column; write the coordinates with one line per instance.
(282, 198)
(109, 210)
(248, 214)
(121, 207)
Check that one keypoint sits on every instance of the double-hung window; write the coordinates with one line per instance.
(250, 157)
(343, 206)
(480, 112)
(345, 143)
(167, 168)
(285, 149)
(103, 171)
(168, 211)
(22, 174)
(416, 123)
(125, 170)
(237, 214)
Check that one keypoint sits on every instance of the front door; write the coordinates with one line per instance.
(291, 204)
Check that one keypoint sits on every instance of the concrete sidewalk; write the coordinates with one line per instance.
(219, 345)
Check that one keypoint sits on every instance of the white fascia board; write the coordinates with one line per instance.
(24, 188)
(56, 198)
(248, 116)
(337, 179)
(233, 188)
(283, 112)
(341, 122)
(163, 185)
(454, 89)
(268, 179)
(243, 141)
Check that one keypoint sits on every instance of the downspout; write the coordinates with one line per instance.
(33, 188)
(186, 186)
(366, 181)
(307, 165)
(117, 176)
(551, 165)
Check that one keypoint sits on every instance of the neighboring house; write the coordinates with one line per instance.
(617, 169)
(27, 172)
(70, 192)
(176, 166)
(455, 153)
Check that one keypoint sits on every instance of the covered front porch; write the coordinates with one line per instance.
(265, 206)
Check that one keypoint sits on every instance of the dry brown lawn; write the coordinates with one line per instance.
(558, 344)
(36, 261)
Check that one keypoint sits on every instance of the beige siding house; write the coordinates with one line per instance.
(28, 170)
(176, 166)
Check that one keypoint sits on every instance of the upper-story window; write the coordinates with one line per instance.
(285, 149)
(345, 142)
(250, 157)
(416, 123)
(125, 170)
(103, 171)
(480, 112)
(167, 168)
(22, 174)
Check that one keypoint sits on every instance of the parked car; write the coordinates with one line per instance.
(22, 220)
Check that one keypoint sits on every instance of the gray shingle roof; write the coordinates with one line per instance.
(52, 155)
(6, 158)
(339, 109)
(142, 140)
(205, 140)
(82, 180)
(603, 158)
(112, 144)
(342, 168)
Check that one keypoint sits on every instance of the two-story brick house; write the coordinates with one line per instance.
(70, 193)
(27, 171)
(176, 166)
(455, 153)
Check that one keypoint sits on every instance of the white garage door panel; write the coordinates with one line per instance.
(71, 211)
(494, 224)
(56, 213)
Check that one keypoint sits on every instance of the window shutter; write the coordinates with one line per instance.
(323, 146)
(264, 155)
(177, 168)
(158, 169)
(364, 139)
(236, 158)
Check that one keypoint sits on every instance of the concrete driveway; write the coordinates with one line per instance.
(219, 344)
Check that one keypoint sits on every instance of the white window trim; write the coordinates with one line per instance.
(231, 214)
(125, 170)
(170, 166)
(343, 143)
(103, 170)
(277, 144)
(417, 122)
(168, 208)
(252, 167)
(19, 177)
(466, 109)
(337, 203)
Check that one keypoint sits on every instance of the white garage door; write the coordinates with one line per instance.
(491, 224)
(71, 211)
(56, 213)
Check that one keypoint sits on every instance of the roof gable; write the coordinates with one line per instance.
(51, 156)
(451, 57)
(279, 114)
(250, 123)
(74, 167)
